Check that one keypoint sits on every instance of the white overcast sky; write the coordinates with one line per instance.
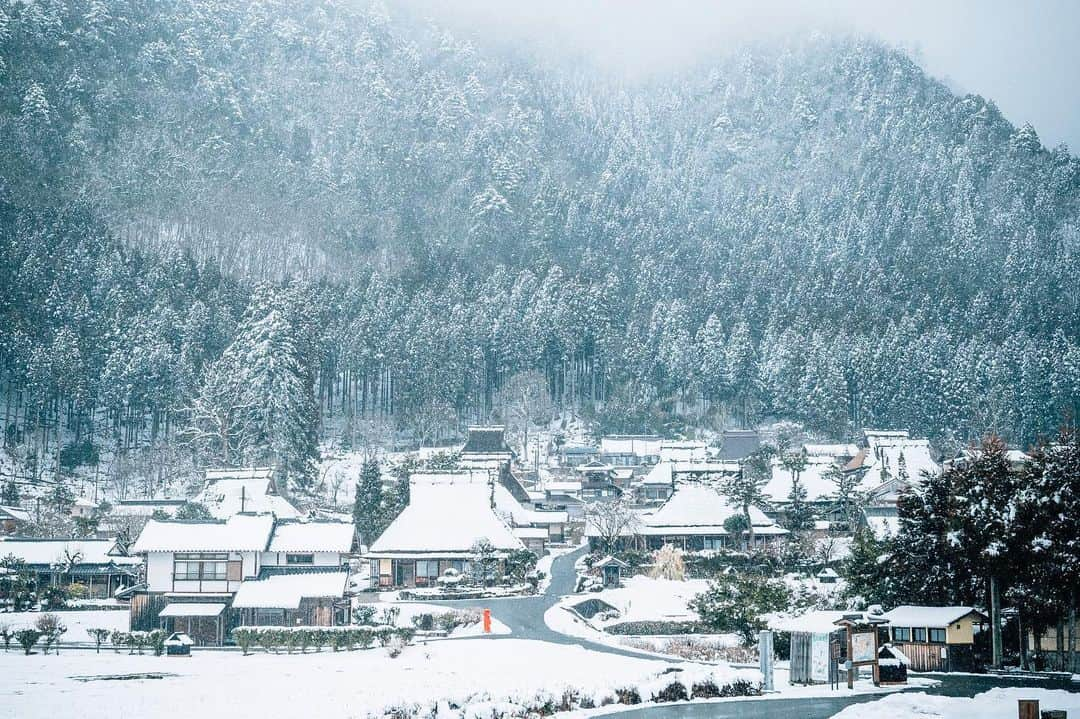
(1024, 55)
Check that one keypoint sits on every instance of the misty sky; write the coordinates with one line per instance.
(1024, 55)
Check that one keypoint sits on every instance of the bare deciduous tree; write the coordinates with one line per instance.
(611, 520)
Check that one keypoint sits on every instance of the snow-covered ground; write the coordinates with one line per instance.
(643, 599)
(994, 704)
(77, 622)
(209, 685)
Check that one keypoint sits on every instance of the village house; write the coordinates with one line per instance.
(597, 481)
(536, 528)
(251, 490)
(197, 570)
(738, 444)
(936, 638)
(573, 455)
(658, 484)
(630, 450)
(693, 519)
(447, 516)
(99, 567)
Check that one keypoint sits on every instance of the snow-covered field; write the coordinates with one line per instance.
(209, 685)
(644, 599)
(994, 704)
(77, 622)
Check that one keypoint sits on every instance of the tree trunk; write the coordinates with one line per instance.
(995, 623)
(749, 528)
(1072, 631)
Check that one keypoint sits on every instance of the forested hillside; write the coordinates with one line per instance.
(228, 225)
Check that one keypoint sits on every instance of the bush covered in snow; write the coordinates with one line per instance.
(672, 685)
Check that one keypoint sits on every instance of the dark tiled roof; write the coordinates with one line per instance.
(739, 444)
(485, 440)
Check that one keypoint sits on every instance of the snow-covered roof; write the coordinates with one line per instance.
(886, 454)
(146, 507)
(519, 516)
(51, 551)
(661, 473)
(192, 609)
(530, 532)
(932, 617)
(696, 509)
(572, 487)
(624, 444)
(446, 515)
(815, 621)
(232, 491)
(882, 526)
(239, 533)
(85, 503)
(239, 473)
(813, 477)
(830, 450)
(284, 591)
(312, 537)
(16, 513)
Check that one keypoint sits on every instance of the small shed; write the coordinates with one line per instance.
(611, 569)
(827, 575)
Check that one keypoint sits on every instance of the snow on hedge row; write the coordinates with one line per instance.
(683, 683)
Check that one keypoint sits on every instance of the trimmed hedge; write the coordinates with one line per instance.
(274, 639)
(655, 628)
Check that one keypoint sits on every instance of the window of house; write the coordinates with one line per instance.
(201, 566)
(901, 634)
(429, 569)
(937, 635)
(714, 543)
(918, 634)
(299, 558)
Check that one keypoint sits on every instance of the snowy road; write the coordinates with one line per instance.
(525, 615)
(955, 685)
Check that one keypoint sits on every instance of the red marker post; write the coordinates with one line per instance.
(487, 621)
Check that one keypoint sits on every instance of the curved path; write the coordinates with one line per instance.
(525, 615)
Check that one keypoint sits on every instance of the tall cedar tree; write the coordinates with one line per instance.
(368, 512)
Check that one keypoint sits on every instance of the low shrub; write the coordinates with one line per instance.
(364, 614)
(627, 695)
(99, 636)
(704, 690)
(27, 638)
(156, 641)
(673, 692)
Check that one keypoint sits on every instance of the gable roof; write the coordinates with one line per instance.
(446, 515)
(908, 615)
(693, 509)
(232, 491)
(312, 537)
(239, 533)
(486, 440)
(47, 552)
